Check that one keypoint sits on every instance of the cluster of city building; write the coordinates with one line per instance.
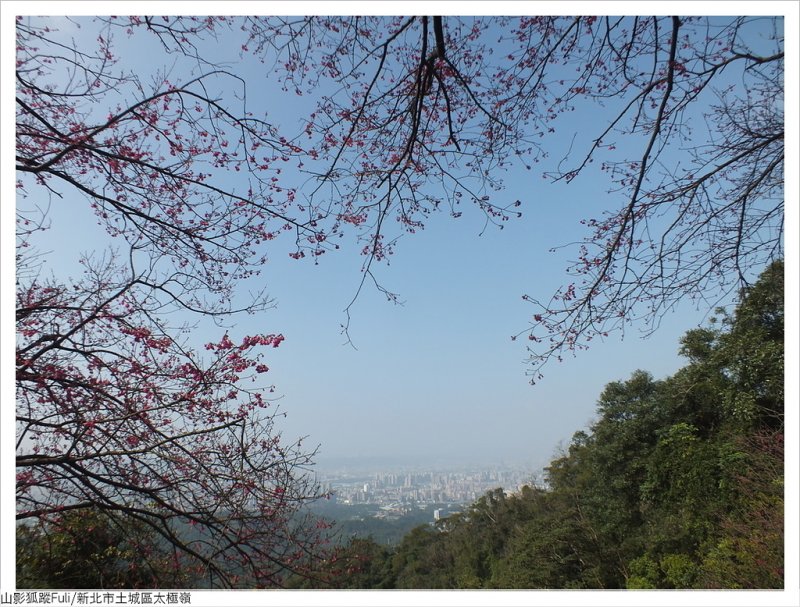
(397, 492)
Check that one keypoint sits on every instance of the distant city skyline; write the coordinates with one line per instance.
(438, 376)
(408, 403)
(409, 489)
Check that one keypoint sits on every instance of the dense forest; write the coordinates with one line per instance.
(678, 484)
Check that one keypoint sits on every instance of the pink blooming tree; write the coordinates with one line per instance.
(116, 410)
(187, 176)
(412, 116)
(421, 114)
(115, 414)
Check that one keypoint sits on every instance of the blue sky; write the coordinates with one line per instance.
(437, 378)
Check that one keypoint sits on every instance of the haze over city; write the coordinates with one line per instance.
(331, 302)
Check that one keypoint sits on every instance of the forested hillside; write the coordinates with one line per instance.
(678, 484)
(193, 191)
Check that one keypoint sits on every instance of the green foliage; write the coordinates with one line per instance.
(748, 552)
(678, 484)
(644, 573)
(91, 549)
(672, 571)
(556, 548)
(361, 563)
(421, 561)
(752, 352)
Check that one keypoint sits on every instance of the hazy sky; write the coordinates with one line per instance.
(437, 378)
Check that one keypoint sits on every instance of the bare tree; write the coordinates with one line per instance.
(114, 413)
(115, 409)
(427, 112)
(413, 115)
